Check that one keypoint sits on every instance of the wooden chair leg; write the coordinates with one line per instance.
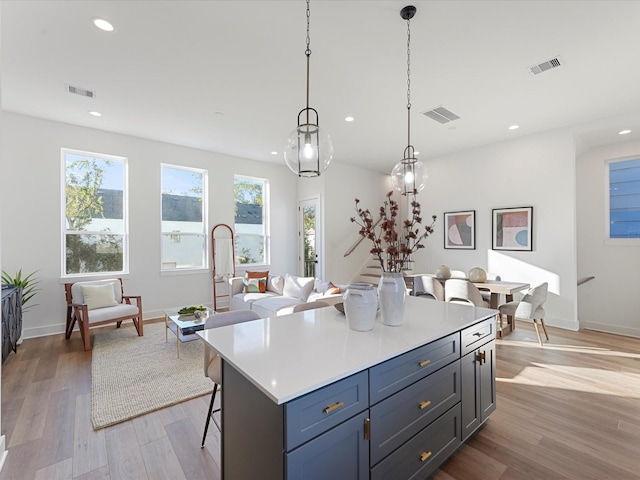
(544, 327)
(86, 337)
(535, 324)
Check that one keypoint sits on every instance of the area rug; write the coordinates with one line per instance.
(132, 375)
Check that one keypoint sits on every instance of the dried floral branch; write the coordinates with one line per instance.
(393, 241)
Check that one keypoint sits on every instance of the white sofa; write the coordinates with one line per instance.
(282, 294)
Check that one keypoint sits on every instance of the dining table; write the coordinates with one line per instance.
(496, 288)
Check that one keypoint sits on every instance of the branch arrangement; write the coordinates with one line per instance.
(393, 241)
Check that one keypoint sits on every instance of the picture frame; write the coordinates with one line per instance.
(460, 230)
(512, 229)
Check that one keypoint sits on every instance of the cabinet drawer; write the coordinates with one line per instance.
(395, 374)
(318, 411)
(424, 453)
(406, 413)
(478, 334)
(341, 454)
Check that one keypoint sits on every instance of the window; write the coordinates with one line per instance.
(624, 199)
(94, 211)
(251, 222)
(184, 213)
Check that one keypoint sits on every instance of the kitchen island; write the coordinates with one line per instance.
(305, 397)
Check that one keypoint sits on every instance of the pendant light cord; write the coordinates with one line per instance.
(408, 81)
(307, 52)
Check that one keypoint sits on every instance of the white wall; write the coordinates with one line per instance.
(536, 170)
(610, 303)
(30, 189)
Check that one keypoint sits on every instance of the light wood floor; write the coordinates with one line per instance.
(569, 410)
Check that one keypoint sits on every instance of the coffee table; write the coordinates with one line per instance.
(184, 327)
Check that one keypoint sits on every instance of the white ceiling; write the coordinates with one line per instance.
(229, 76)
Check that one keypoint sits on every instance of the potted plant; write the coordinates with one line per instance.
(28, 284)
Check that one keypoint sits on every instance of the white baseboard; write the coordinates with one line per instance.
(615, 329)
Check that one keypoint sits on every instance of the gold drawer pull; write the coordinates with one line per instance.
(424, 363)
(424, 405)
(333, 407)
(424, 456)
(478, 334)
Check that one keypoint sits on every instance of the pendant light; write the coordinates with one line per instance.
(409, 175)
(308, 150)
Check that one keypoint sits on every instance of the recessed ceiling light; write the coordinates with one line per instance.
(102, 24)
(349, 119)
(624, 132)
(514, 127)
(274, 153)
(95, 114)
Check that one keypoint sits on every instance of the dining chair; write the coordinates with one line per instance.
(100, 302)
(457, 290)
(212, 361)
(428, 287)
(529, 308)
(458, 274)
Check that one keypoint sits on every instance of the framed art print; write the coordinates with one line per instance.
(460, 230)
(512, 229)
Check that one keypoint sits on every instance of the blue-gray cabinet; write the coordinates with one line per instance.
(398, 419)
(11, 319)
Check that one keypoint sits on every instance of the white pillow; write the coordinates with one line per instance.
(275, 283)
(99, 296)
(297, 287)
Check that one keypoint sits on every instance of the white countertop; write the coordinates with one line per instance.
(288, 356)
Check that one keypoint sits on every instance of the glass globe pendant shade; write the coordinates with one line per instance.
(308, 150)
(409, 176)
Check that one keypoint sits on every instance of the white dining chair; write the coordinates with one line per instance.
(529, 308)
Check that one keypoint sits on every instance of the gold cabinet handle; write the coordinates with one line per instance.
(424, 456)
(424, 363)
(478, 334)
(424, 405)
(333, 407)
(482, 357)
(367, 429)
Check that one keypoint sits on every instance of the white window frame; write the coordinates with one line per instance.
(266, 221)
(205, 217)
(63, 213)
(608, 241)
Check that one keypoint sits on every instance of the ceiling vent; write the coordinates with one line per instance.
(80, 91)
(441, 115)
(544, 66)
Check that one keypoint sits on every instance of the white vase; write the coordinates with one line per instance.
(360, 306)
(392, 292)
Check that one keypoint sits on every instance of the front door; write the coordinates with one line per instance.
(310, 235)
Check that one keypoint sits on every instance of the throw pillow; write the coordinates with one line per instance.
(298, 287)
(255, 285)
(99, 296)
(332, 290)
(275, 283)
(262, 285)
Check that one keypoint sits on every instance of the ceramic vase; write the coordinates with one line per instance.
(392, 292)
(360, 306)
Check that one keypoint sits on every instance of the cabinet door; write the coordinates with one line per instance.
(341, 453)
(478, 387)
